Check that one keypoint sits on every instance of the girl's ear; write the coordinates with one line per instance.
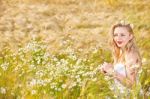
(131, 36)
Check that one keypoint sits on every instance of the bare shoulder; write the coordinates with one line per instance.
(133, 62)
(132, 58)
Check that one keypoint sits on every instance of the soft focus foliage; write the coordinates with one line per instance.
(52, 49)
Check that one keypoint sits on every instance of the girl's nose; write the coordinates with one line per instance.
(118, 37)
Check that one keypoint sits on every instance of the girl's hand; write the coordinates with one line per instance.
(106, 68)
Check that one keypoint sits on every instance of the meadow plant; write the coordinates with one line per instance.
(33, 72)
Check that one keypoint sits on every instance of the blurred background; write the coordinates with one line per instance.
(85, 22)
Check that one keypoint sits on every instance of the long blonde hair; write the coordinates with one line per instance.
(131, 46)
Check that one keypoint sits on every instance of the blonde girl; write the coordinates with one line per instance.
(127, 61)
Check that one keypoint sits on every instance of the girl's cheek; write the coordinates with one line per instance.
(115, 39)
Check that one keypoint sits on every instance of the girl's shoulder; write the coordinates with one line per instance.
(132, 57)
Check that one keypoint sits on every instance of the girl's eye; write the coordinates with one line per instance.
(122, 35)
(115, 35)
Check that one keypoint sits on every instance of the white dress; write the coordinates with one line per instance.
(120, 68)
(120, 89)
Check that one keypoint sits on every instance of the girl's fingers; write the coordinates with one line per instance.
(102, 69)
(104, 64)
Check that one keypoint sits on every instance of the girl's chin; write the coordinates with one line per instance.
(121, 46)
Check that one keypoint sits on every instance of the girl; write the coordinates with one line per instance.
(126, 57)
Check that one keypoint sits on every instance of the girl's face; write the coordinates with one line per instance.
(121, 36)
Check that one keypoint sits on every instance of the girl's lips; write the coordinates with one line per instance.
(119, 42)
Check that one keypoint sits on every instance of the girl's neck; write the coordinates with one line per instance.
(122, 49)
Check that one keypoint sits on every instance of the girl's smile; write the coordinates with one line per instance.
(119, 42)
(121, 36)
